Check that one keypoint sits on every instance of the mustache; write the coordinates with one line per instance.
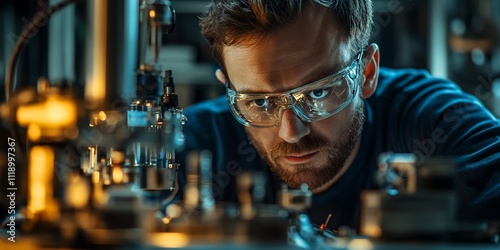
(308, 143)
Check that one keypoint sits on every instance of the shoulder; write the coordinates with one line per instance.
(417, 89)
(211, 121)
(208, 112)
(401, 81)
(411, 106)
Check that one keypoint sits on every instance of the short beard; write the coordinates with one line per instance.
(315, 176)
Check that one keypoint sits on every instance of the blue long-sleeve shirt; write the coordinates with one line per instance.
(410, 112)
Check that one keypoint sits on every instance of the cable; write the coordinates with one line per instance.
(40, 16)
(173, 193)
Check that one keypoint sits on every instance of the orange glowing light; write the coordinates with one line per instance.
(152, 14)
(41, 168)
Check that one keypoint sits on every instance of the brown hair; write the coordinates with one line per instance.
(230, 22)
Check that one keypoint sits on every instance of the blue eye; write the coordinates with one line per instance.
(260, 103)
(318, 93)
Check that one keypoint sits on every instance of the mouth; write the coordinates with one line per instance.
(299, 158)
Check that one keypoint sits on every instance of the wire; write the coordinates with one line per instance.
(173, 193)
(324, 225)
(40, 16)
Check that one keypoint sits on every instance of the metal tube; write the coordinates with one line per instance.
(113, 44)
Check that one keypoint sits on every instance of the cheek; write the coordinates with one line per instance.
(333, 126)
(327, 128)
(264, 136)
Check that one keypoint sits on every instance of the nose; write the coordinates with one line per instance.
(292, 128)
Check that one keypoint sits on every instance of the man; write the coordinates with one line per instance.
(305, 91)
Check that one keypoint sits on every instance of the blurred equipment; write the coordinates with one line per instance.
(124, 132)
(417, 200)
(203, 221)
(474, 51)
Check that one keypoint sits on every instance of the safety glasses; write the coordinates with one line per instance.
(312, 102)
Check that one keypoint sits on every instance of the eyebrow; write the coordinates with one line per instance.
(335, 69)
(255, 91)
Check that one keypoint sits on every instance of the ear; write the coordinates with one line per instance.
(370, 73)
(220, 76)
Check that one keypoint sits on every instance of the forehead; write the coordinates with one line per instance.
(304, 51)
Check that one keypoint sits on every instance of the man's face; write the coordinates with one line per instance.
(307, 50)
